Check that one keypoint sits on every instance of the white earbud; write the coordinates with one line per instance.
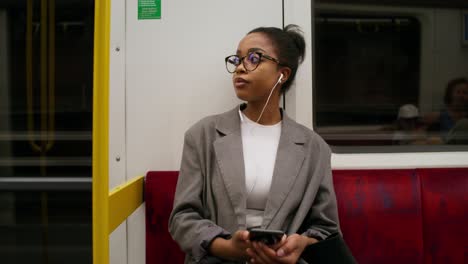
(280, 79)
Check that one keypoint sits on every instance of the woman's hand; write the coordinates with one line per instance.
(288, 252)
(233, 248)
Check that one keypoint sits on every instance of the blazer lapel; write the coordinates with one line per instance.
(230, 159)
(289, 159)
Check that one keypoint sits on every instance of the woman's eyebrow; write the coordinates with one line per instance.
(250, 50)
(256, 49)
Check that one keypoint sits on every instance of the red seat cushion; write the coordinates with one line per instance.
(445, 214)
(380, 215)
(160, 188)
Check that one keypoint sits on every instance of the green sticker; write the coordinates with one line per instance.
(149, 9)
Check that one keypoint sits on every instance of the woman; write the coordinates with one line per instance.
(254, 166)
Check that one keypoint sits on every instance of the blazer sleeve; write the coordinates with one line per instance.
(187, 223)
(322, 218)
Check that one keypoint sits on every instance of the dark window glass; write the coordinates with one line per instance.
(46, 88)
(45, 227)
(372, 88)
(46, 73)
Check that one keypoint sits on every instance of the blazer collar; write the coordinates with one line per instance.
(230, 159)
(229, 123)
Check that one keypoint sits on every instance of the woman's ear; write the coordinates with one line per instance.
(286, 73)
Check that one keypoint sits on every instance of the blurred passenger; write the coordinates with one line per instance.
(408, 127)
(459, 133)
(456, 108)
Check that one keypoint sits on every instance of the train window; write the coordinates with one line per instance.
(34, 233)
(390, 78)
(46, 75)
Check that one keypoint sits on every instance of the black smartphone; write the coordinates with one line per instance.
(266, 236)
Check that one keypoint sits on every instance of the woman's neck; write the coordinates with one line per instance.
(271, 115)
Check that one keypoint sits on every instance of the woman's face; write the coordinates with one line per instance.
(255, 86)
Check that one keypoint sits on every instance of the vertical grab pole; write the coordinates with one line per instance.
(43, 115)
(43, 72)
(29, 75)
(51, 77)
(101, 132)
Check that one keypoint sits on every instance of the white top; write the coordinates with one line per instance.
(260, 144)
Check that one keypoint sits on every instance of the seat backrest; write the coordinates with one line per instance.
(160, 188)
(445, 215)
(386, 216)
(380, 214)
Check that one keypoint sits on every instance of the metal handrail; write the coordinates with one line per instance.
(58, 136)
(47, 161)
(47, 70)
(45, 183)
(47, 97)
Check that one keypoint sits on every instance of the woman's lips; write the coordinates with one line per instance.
(240, 82)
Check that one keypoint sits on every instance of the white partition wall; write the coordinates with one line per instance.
(299, 97)
(117, 153)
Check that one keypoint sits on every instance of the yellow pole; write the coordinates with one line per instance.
(43, 114)
(51, 77)
(43, 71)
(29, 75)
(101, 132)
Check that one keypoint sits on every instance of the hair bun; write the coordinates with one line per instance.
(296, 34)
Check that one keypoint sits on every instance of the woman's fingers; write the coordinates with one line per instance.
(286, 249)
(255, 257)
(241, 235)
(266, 254)
(280, 243)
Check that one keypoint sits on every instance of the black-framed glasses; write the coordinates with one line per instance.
(250, 61)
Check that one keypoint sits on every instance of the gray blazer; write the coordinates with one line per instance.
(210, 199)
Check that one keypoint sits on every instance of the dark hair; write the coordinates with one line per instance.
(448, 97)
(290, 47)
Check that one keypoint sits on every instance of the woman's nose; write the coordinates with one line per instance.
(240, 68)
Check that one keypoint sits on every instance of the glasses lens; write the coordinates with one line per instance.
(231, 63)
(251, 61)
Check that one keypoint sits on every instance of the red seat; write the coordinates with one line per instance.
(445, 215)
(380, 215)
(387, 216)
(160, 188)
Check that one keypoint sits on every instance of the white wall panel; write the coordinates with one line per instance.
(118, 245)
(299, 97)
(136, 234)
(176, 73)
(117, 122)
(117, 155)
(400, 160)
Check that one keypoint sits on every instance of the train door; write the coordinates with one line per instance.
(46, 75)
